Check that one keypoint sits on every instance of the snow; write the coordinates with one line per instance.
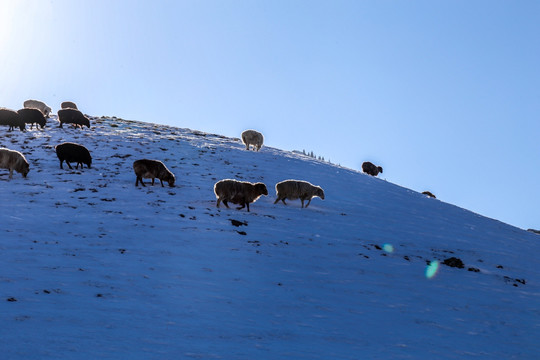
(94, 267)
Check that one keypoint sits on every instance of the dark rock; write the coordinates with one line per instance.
(238, 223)
(454, 262)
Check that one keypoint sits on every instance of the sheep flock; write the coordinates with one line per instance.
(234, 191)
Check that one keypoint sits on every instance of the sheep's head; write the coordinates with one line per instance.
(25, 169)
(170, 179)
(261, 189)
(320, 193)
(380, 169)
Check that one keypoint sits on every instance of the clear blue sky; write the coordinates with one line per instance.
(445, 95)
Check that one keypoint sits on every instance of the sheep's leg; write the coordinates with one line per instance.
(77, 165)
(243, 206)
(225, 203)
(217, 202)
(139, 179)
(61, 167)
(282, 199)
(161, 182)
(309, 201)
(153, 181)
(68, 164)
(11, 173)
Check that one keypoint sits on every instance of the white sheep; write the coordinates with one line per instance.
(238, 192)
(36, 104)
(13, 160)
(297, 189)
(252, 137)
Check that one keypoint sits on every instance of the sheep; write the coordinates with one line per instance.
(152, 169)
(371, 169)
(71, 152)
(297, 189)
(12, 119)
(72, 116)
(428, 193)
(68, 105)
(13, 160)
(252, 137)
(36, 104)
(238, 192)
(32, 116)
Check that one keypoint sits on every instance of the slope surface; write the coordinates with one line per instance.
(94, 267)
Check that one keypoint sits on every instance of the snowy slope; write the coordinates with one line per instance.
(94, 267)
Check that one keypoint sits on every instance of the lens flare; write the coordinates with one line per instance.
(431, 269)
(388, 248)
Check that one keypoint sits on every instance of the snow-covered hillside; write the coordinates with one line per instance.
(93, 267)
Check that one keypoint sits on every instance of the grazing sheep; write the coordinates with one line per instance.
(68, 105)
(71, 152)
(252, 137)
(36, 104)
(72, 116)
(429, 194)
(297, 189)
(371, 169)
(13, 160)
(12, 119)
(238, 192)
(32, 116)
(152, 169)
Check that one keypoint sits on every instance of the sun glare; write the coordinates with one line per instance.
(7, 13)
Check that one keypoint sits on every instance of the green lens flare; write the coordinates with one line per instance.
(388, 248)
(431, 269)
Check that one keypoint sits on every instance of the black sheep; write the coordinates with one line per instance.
(12, 119)
(371, 169)
(72, 116)
(32, 116)
(152, 169)
(68, 105)
(71, 152)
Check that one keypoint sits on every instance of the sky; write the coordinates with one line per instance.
(443, 95)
